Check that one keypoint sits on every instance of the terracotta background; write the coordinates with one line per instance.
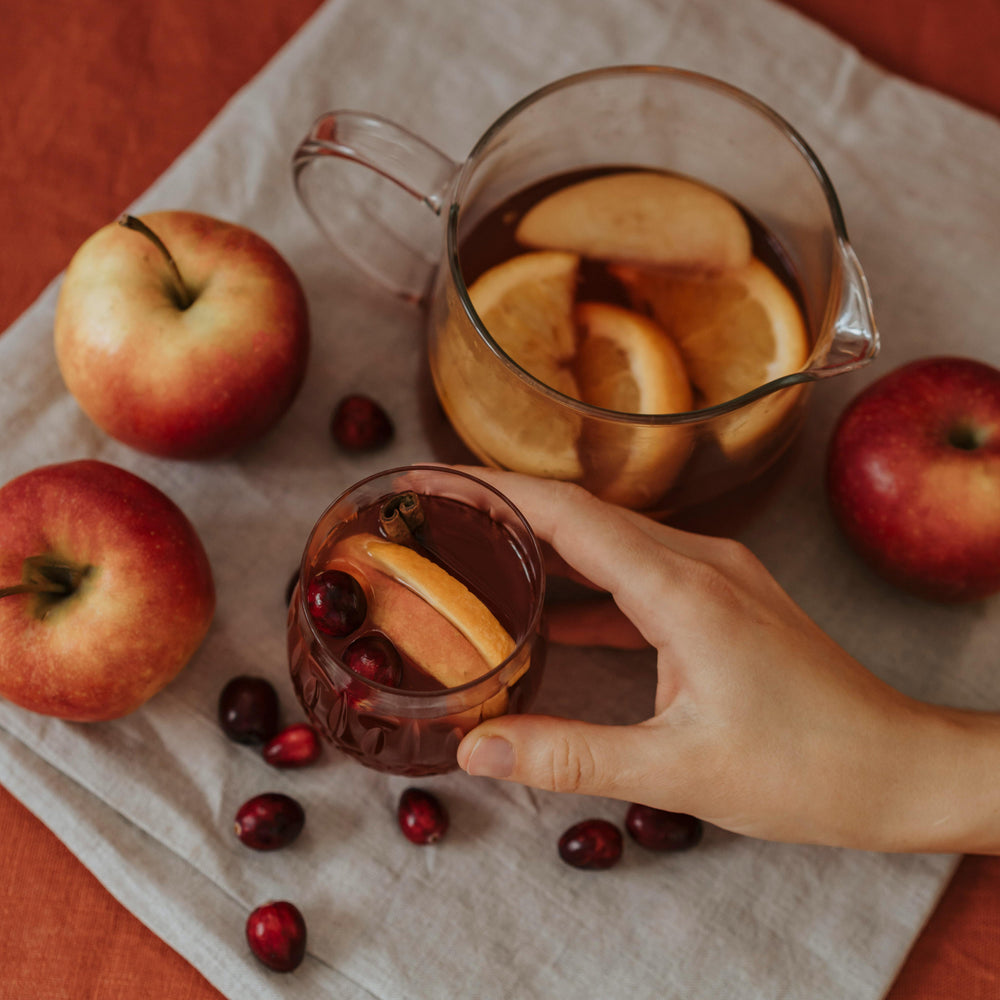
(98, 98)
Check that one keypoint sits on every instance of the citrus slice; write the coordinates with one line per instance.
(642, 216)
(735, 331)
(627, 363)
(406, 624)
(526, 303)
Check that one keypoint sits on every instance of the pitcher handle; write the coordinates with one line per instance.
(382, 227)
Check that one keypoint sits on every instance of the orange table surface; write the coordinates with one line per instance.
(98, 98)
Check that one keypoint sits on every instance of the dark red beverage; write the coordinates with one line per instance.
(447, 623)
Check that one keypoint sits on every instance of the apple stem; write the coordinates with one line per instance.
(45, 575)
(184, 296)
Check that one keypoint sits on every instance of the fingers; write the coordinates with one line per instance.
(561, 755)
(606, 544)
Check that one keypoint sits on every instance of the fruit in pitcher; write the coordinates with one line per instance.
(625, 362)
(181, 335)
(276, 934)
(644, 216)
(913, 477)
(526, 303)
(735, 331)
(106, 591)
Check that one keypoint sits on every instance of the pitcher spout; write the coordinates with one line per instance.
(854, 337)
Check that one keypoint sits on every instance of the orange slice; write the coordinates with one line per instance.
(526, 303)
(735, 331)
(405, 622)
(641, 216)
(627, 363)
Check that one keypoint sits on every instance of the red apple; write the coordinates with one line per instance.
(913, 477)
(106, 591)
(181, 335)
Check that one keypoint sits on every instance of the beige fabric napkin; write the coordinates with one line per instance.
(147, 802)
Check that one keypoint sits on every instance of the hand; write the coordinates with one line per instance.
(762, 724)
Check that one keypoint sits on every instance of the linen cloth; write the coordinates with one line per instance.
(147, 802)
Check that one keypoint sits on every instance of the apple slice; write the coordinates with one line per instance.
(641, 216)
(432, 617)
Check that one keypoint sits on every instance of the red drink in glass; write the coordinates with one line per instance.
(452, 578)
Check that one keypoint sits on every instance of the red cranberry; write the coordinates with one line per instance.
(336, 602)
(360, 424)
(269, 821)
(660, 830)
(421, 816)
(276, 933)
(295, 746)
(376, 659)
(592, 843)
(248, 709)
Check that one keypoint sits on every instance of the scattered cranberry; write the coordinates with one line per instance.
(592, 843)
(276, 933)
(360, 424)
(336, 602)
(660, 830)
(421, 816)
(376, 659)
(295, 746)
(248, 709)
(269, 821)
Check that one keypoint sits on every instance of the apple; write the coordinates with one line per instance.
(105, 590)
(913, 477)
(181, 335)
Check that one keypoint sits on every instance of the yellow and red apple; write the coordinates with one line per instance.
(106, 591)
(913, 477)
(181, 335)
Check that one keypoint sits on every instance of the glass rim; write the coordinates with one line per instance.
(389, 699)
(754, 104)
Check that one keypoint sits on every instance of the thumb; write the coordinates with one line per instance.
(563, 755)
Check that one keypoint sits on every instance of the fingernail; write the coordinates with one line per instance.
(491, 757)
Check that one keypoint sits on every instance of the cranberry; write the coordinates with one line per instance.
(360, 424)
(269, 821)
(336, 602)
(421, 816)
(375, 658)
(248, 709)
(295, 746)
(660, 830)
(592, 843)
(276, 933)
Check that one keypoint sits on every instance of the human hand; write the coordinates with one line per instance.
(762, 724)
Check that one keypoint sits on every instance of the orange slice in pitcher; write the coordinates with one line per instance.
(641, 216)
(627, 363)
(735, 331)
(431, 616)
(526, 303)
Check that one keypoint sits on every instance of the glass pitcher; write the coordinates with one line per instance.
(403, 212)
